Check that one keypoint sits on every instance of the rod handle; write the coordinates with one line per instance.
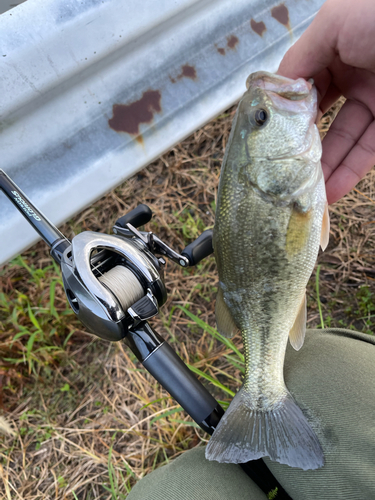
(181, 383)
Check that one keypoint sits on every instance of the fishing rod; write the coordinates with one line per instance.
(115, 284)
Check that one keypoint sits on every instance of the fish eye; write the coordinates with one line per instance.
(260, 116)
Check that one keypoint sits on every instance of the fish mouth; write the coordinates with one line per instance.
(291, 96)
(292, 90)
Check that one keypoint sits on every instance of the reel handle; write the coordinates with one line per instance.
(137, 217)
(196, 251)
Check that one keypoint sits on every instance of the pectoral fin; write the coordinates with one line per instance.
(224, 320)
(324, 236)
(297, 333)
(298, 232)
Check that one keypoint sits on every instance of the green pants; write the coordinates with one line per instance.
(333, 378)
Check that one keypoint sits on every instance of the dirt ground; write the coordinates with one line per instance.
(88, 420)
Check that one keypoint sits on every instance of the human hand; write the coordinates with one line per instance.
(338, 52)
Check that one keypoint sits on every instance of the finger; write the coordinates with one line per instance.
(354, 83)
(350, 124)
(354, 167)
(327, 98)
(316, 48)
(330, 97)
(323, 84)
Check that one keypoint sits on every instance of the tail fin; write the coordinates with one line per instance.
(282, 434)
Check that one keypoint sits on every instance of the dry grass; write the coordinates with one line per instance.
(89, 420)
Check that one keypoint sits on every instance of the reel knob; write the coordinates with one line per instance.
(137, 217)
(199, 248)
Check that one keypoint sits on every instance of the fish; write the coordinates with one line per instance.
(271, 217)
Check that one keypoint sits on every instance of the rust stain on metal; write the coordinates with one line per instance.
(187, 71)
(232, 41)
(139, 139)
(128, 117)
(221, 51)
(259, 27)
(281, 14)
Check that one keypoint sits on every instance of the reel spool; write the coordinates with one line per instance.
(124, 285)
(112, 283)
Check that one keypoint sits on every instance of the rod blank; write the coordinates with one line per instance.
(40, 223)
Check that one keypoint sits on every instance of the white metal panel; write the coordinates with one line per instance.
(92, 91)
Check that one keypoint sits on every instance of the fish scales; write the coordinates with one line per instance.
(268, 225)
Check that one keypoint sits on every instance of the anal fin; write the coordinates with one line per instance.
(297, 333)
(224, 320)
(324, 236)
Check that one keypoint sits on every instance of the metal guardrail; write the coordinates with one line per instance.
(92, 91)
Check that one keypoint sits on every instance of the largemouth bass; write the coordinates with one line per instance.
(271, 216)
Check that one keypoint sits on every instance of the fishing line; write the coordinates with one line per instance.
(124, 285)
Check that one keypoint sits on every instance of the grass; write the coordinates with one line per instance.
(89, 420)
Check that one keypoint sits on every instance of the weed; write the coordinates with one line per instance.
(61, 481)
(35, 324)
(366, 301)
(271, 495)
(190, 223)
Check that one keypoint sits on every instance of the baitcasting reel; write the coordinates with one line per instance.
(115, 284)
(112, 282)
